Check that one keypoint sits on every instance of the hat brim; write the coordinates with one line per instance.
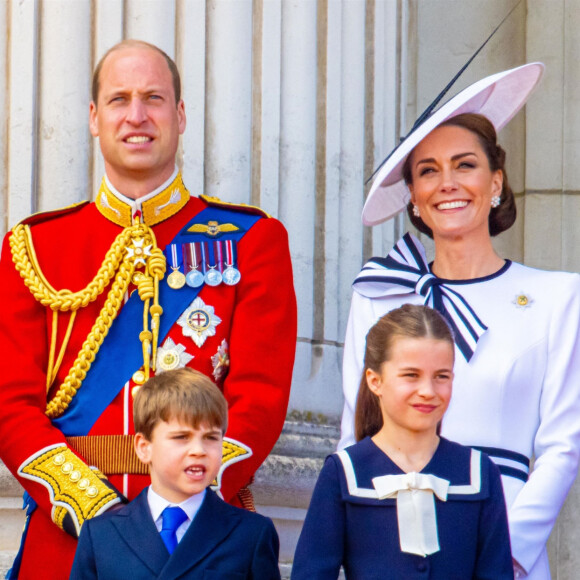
(498, 97)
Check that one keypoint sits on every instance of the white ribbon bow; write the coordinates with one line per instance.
(415, 493)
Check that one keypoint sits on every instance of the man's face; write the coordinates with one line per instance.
(136, 119)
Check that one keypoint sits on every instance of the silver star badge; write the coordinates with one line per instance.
(172, 356)
(138, 252)
(199, 321)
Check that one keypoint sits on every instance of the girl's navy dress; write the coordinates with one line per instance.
(347, 526)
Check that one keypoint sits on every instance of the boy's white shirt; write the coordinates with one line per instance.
(190, 506)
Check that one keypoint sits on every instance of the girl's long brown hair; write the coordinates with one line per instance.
(409, 321)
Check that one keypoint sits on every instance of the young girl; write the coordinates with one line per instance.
(404, 502)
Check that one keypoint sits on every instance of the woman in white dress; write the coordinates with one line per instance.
(517, 372)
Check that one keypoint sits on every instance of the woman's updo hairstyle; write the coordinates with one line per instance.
(408, 321)
(501, 218)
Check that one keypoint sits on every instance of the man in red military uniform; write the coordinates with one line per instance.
(100, 296)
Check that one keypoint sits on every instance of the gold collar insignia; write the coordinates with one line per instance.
(154, 210)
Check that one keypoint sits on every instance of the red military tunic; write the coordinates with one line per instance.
(252, 348)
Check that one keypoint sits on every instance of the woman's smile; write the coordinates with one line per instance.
(452, 183)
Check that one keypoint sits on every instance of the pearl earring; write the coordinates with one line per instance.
(495, 201)
(416, 211)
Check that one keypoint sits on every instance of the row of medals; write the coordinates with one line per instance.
(194, 278)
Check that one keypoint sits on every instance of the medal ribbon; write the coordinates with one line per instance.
(210, 256)
(192, 254)
(204, 257)
(231, 253)
(405, 271)
(174, 255)
(218, 252)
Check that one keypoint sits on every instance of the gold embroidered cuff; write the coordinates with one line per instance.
(76, 491)
(232, 452)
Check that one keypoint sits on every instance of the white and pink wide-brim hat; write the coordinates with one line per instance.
(498, 97)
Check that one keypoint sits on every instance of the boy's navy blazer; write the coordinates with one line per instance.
(222, 542)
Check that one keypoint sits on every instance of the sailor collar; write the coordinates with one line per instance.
(151, 209)
(460, 465)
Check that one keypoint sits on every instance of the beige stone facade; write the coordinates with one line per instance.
(290, 105)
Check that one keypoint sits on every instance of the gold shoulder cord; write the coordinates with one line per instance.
(135, 256)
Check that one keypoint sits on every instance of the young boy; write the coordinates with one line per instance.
(180, 418)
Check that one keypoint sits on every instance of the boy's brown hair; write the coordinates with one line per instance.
(183, 394)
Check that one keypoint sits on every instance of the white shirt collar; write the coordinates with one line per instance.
(135, 204)
(190, 506)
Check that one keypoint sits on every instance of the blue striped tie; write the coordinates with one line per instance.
(173, 517)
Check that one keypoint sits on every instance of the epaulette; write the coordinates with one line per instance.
(243, 207)
(43, 216)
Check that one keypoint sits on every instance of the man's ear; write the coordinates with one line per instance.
(142, 448)
(181, 118)
(93, 125)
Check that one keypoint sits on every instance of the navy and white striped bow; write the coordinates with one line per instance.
(404, 271)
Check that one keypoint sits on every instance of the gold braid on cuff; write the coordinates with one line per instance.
(75, 489)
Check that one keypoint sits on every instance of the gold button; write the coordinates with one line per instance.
(522, 300)
(83, 483)
(139, 377)
(67, 467)
(59, 459)
(92, 491)
(134, 391)
(75, 475)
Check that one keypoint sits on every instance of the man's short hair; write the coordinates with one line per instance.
(142, 44)
(183, 394)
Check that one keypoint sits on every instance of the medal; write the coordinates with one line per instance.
(199, 321)
(231, 276)
(194, 279)
(176, 279)
(191, 255)
(213, 277)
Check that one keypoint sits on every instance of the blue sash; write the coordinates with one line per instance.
(121, 353)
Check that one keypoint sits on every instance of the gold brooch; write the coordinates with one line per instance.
(522, 300)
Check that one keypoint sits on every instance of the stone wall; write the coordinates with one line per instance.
(290, 105)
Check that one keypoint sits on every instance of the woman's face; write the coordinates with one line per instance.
(452, 183)
(414, 385)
